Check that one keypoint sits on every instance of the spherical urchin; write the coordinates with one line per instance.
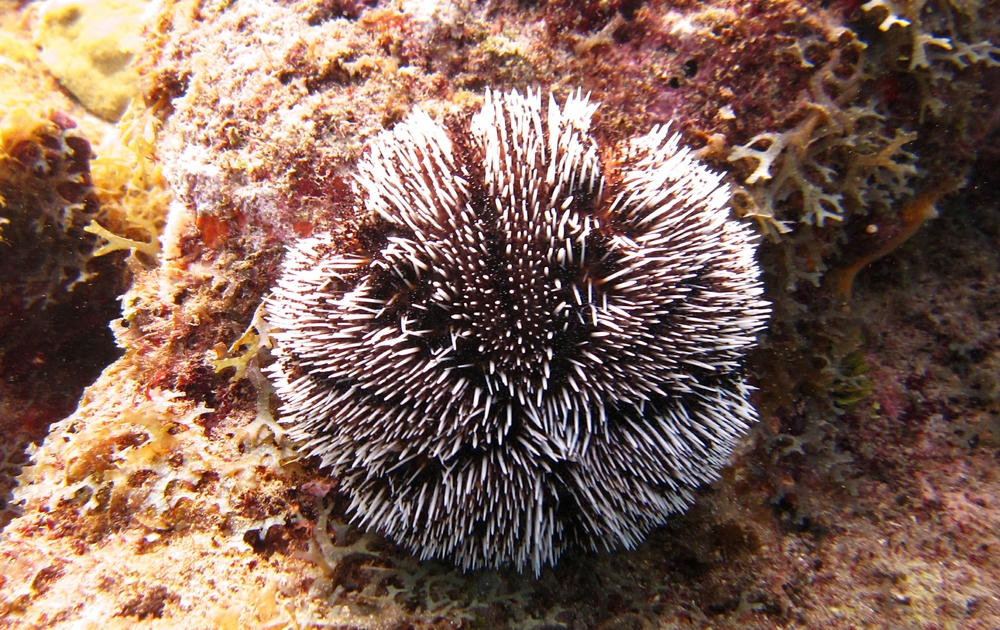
(537, 348)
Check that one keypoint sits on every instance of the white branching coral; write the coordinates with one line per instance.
(537, 348)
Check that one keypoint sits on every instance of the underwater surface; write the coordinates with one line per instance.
(792, 419)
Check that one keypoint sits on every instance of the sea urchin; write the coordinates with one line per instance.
(538, 347)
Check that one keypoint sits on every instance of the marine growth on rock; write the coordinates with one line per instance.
(539, 345)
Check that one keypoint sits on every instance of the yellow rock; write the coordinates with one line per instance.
(89, 46)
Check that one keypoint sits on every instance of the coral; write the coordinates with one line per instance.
(853, 197)
(927, 49)
(840, 158)
(244, 350)
(74, 191)
(129, 182)
(940, 48)
(13, 455)
(133, 462)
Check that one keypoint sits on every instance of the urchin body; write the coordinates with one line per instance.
(539, 349)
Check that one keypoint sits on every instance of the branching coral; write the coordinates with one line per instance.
(928, 48)
(840, 158)
(246, 348)
(131, 187)
(937, 41)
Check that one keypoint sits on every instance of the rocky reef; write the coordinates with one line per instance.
(859, 139)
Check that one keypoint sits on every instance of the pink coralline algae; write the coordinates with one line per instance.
(534, 348)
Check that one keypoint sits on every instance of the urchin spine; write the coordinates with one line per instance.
(545, 349)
